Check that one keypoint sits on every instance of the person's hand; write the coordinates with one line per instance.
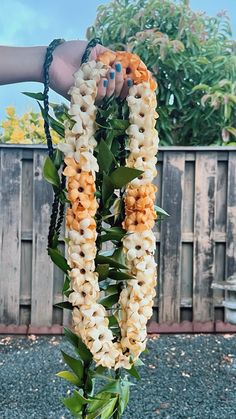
(66, 61)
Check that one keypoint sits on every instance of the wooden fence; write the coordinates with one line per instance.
(195, 245)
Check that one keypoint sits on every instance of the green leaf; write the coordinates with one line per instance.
(69, 376)
(37, 96)
(113, 387)
(75, 364)
(54, 124)
(50, 173)
(123, 175)
(124, 397)
(66, 286)
(75, 402)
(57, 158)
(109, 300)
(113, 321)
(161, 212)
(119, 124)
(79, 345)
(102, 270)
(107, 188)
(58, 259)
(120, 276)
(64, 304)
(102, 259)
(108, 411)
(133, 371)
(113, 233)
(105, 157)
(99, 404)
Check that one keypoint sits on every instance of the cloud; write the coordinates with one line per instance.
(17, 21)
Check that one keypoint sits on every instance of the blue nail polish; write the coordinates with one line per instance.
(105, 83)
(130, 82)
(118, 67)
(112, 75)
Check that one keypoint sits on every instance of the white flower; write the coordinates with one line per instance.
(69, 147)
(86, 296)
(139, 244)
(141, 93)
(142, 162)
(141, 149)
(96, 338)
(94, 316)
(84, 91)
(141, 133)
(147, 264)
(87, 161)
(82, 127)
(84, 234)
(144, 178)
(91, 70)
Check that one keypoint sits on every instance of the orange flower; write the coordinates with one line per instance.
(84, 203)
(139, 220)
(132, 66)
(72, 168)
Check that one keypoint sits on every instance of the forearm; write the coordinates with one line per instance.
(20, 64)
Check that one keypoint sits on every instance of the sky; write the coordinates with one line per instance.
(30, 22)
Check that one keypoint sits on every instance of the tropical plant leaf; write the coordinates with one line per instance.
(75, 364)
(123, 175)
(58, 259)
(50, 173)
(69, 376)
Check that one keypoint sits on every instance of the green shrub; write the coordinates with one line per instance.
(192, 58)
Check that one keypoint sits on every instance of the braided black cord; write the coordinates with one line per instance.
(55, 218)
(91, 44)
(47, 63)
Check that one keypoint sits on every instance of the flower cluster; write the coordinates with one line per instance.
(27, 129)
(89, 318)
(132, 66)
(139, 246)
(135, 303)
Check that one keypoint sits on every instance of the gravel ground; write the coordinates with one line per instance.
(185, 376)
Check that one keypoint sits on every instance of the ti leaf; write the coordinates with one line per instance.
(120, 276)
(37, 96)
(58, 259)
(123, 175)
(109, 300)
(75, 364)
(107, 188)
(64, 304)
(102, 270)
(161, 212)
(102, 259)
(105, 157)
(113, 233)
(50, 173)
(75, 403)
(69, 376)
(78, 344)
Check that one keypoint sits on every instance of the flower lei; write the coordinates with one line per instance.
(90, 318)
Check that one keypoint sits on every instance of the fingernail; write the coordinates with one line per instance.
(118, 67)
(105, 83)
(112, 75)
(130, 82)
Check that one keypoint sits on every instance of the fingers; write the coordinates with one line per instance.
(125, 89)
(113, 84)
(119, 80)
(102, 90)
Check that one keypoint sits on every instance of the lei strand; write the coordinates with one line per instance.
(89, 317)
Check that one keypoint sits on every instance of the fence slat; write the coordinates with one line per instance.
(170, 279)
(10, 233)
(203, 248)
(231, 217)
(42, 280)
